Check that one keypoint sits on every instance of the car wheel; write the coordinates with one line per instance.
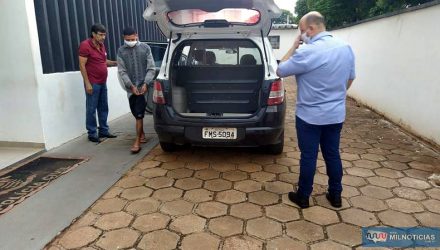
(276, 149)
(168, 147)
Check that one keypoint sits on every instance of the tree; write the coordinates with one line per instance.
(286, 17)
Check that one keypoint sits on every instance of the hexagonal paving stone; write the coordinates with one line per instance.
(358, 217)
(432, 205)
(278, 187)
(162, 239)
(177, 207)
(399, 158)
(79, 237)
(168, 194)
(145, 206)
(173, 165)
(345, 234)
(397, 219)
(249, 167)
(199, 165)
(188, 224)
(414, 183)
(366, 164)
(368, 203)
(151, 222)
(389, 173)
(154, 172)
(166, 158)
(223, 166)
(291, 178)
(263, 198)
(188, 183)
(231, 197)
(211, 209)
(243, 243)
(235, 175)
(304, 231)
(199, 195)
(349, 157)
(264, 228)
(263, 176)
(328, 245)
(395, 165)
(377, 192)
(200, 241)
(276, 168)
(383, 182)
(108, 206)
(136, 193)
(322, 201)
(428, 219)
(285, 243)
(405, 206)
(129, 182)
(320, 215)
(114, 221)
(180, 173)
(112, 192)
(409, 193)
(207, 174)
(248, 186)
(282, 213)
(246, 211)
(434, 193)
(160, 182)
(418, 174)
(226, 226)
(122, 238)
(373, 157)
(361, 172)
(348, 191)
(218, 185)
(148, 164)
(287, 161)
(353, 181)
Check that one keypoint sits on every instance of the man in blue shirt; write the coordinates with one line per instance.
(324, 69)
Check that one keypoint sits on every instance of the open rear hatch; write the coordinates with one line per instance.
(249, 17)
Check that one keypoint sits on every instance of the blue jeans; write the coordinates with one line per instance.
(310, 137)
(97, 102)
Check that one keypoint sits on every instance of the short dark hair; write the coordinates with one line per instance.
(97, 27)
(129, 31)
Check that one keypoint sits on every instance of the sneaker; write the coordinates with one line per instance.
(109, 135)
(94, 139)
(335, 200)
(301, 202)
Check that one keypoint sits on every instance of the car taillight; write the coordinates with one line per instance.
(158, 97)
(276, 96)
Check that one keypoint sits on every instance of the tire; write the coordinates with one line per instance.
(168, 147)
(276, 149)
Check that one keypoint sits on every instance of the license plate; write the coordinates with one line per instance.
(219, 133)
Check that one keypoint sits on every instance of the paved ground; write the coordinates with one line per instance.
(236, 199)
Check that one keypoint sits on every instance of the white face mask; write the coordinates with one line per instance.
(130, 44)
(305, 38)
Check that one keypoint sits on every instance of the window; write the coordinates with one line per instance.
(219, 52)
(193, 16)
(275, 42)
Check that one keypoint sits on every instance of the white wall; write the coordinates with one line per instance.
(62, 97)
(398, 63)
(20, 119)
(287, 37)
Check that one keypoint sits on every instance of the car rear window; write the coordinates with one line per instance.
(219, 52)
(196, 16)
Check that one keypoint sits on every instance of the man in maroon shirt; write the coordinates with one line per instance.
(93, 66)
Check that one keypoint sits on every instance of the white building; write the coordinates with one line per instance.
(282, 37)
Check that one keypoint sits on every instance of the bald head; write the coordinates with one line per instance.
(313, 23)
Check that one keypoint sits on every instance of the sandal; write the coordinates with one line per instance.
(135, 150)
(143, 140)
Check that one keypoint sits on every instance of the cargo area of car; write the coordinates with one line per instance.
(217, 78)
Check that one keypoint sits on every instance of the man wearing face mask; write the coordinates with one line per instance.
(324, 67)
(136, 70)
(93, 65)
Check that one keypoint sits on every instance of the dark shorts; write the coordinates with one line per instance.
(137, 106)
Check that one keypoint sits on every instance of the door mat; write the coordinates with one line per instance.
(30, 178)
